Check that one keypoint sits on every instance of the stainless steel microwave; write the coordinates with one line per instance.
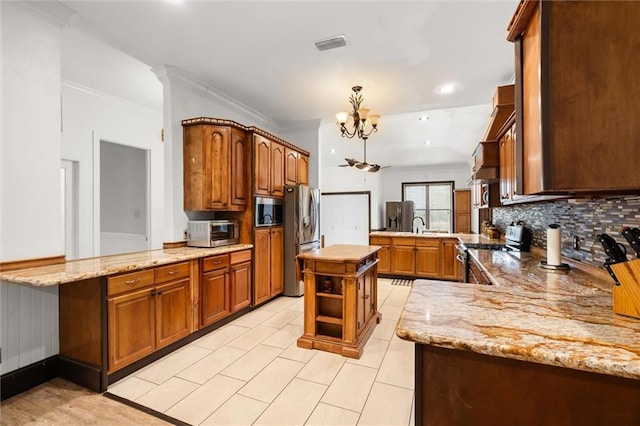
(212, 233)
(269, 211)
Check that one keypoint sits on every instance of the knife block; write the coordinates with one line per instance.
(626, 296)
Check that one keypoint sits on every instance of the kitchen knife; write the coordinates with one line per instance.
(632, 235)
(616, 252)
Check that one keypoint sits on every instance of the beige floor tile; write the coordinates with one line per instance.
(390, 312)
(297, 306)
(322, 368)
(385, 330)
(268, 383)
(280, 304)
(209, 366)
(294, 405)
(172, 364)
(295, 353)
(202, 402)
(387, 405)
(253, 318)
(325, 414)
(298, 320)
(374, 351)
(218, 338)
(284, 337)
(167, 394)
(280, 319)
(398, 344)
(398, 297)
(252, 362)
(252, 338)
(238, 410)
(398, 367)
(131, 388)
(351, 387)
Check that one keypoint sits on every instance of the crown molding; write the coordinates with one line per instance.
(168, 74)
(111, 98)
(53, 12)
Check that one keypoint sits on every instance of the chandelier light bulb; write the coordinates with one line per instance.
(355, 123)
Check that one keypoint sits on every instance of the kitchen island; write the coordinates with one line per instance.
(340, 298)
(536, 347)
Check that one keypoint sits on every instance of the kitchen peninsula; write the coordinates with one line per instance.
(340, 299)
(535, 347)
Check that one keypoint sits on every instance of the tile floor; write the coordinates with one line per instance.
(250, 371)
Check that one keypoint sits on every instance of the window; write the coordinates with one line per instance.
(433, 202)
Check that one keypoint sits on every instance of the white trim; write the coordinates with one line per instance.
(52, 12)
(111, 98)
(169, 74)
(96, 193)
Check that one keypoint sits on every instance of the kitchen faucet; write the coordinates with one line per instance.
(421, 220)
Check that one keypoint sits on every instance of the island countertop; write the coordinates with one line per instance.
(563, 319)
(340, 252)
(81, 269)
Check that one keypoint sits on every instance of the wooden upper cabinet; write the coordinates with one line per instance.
(269, 167)
(277, 169)
(291, 167)
(303, 169)
(576, 112)
(507, 166)
(215, 168)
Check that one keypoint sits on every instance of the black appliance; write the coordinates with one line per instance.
(269, 211)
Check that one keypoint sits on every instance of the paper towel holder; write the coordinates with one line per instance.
(559, 266)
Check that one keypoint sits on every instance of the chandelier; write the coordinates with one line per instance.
(357, 122)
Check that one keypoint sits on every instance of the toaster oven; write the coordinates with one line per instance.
(212, 233)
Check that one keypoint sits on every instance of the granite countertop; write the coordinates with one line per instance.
(419, 235)
(81, 269)
(563, 319)
(340, 253)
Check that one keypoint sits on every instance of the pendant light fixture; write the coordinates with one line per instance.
(358, 122)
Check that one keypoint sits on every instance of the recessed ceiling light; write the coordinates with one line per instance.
(427, 142)
(446, 88)
(333, 150)
(423, 118)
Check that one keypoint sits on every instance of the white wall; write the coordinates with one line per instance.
(306, 136)
(31, 210)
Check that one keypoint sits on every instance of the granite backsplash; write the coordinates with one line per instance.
(578, 218)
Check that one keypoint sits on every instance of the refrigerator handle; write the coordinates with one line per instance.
(313, 212)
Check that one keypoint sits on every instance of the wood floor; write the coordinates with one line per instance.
(59, 402)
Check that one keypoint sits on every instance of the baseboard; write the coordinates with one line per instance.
(82, 374)
(28, 377)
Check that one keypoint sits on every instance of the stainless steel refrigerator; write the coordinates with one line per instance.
(301, 232)
(399, 215)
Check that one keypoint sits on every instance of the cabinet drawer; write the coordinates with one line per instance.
(403, 242)
(379, 241)
(240, 256)
(132, 281)
(215, 262)
(172, 272)
(428, 242)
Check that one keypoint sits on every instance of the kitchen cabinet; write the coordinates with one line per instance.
(508, 165)
(240, 271)
(291, 167)
(575, 112)
(403, 256)
(449, 265)
(428, 258)
(462, 210)
(269, 167)
(486, 195)
(303, 169)
(147, 310)
(269, 263)
(486, 160)
(215, 162)
(384, 254)
(340, 298)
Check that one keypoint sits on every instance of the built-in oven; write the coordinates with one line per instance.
(268, 211)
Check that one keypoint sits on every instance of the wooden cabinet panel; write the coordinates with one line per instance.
(216, 167)
(291, 167)
(262, 165)
(384, 255)
(240, 286)
(428, 261)
(449, 264)
(262, 262)
(127, 282)
(462, 211)
(239, 168)
(215, 262)
(277, 260)
(303, 169)
(507, 164)
(131, 324)
(173, 311)
(171, 272)
(277, 169)
(403, 260)
(215, 296)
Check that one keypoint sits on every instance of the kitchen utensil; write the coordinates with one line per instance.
(615, 251)
(632, 235)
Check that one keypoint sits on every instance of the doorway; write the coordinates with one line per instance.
(124, 203)
(345, 217)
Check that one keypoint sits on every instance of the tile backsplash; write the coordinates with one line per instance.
(578, 218)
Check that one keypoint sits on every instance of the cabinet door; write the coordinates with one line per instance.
(449, 265)
(239, 170)
(262, 169)
(506, 166)
(277, 260)
(131, 320)
(403, 260)
(428, 262)
(262, 265)
(277, 169)
(240, 286)
(462, 200)
(215, 296)
(172, 304)
(291, 167)
(384, 266)
(303, 169)
(216, 167)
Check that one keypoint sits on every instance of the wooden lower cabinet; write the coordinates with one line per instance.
(428, 259)
(449, 264)
(240, 286)
(215, 295)
(403, 256)
(173, 312)
(384, 254)
(269, 263)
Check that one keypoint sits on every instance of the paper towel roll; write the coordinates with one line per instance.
(553, 245)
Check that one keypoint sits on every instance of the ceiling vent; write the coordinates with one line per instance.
(331, 43)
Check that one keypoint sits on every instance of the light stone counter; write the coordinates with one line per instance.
(562, 319)
(82, 269)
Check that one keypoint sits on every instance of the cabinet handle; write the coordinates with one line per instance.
(367, 296)
(175, 271)
(132, 282)
(217, 262)
(156, 293)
